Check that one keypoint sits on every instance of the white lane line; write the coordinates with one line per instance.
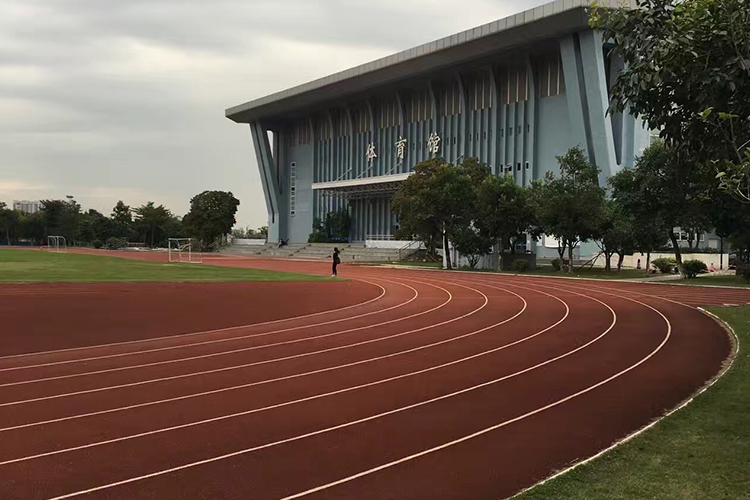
(314, 397)
(234, 351)
(341, 426)
(230, 339)
(478, 433)
(304, 374)
(246, 365)
(204, 332)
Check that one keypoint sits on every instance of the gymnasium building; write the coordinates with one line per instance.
(514, 93)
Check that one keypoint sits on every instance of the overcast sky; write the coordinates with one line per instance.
(125, 99)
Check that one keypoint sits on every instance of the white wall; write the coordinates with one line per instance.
(247, 242)
(391, 244)
(631, 261)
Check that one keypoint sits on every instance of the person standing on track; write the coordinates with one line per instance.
(336, 260)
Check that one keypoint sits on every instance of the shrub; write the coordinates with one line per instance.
(744, 271)
(114, 243)
(693, 267)
(557, 264)
(318, 237)
(520, 265)
(96, 243)
(664, 264)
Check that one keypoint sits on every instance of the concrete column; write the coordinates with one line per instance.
(267, 170)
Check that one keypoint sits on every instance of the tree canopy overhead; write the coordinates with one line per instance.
(687, 73)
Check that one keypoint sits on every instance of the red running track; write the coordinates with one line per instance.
(396, 384)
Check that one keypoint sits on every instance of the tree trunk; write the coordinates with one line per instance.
(570, 257)
(446, 251)
(607, 264)
(648, 261)
(677, 252)
(621, 257)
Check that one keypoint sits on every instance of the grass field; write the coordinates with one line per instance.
(706, 279)
(700, 452)
(34, 266)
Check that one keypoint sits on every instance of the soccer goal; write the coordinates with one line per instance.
(57, 243)
(184, 250)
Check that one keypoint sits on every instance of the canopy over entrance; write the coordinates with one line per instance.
(362, 188)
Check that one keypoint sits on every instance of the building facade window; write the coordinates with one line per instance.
(481, 91)
(341, 123)
(420, 107)
(514, 85)
(450, 99)
(323, 128)
(293, 189)
(361, 119)
(551, 78)
(388, 115)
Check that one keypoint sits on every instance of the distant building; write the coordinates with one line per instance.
(27, 206)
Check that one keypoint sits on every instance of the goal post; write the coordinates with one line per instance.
(57, 243)
(184, 250)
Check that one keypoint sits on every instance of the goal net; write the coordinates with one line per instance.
(57, 243)
(184, 250)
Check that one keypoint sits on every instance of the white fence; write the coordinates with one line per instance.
(390, 244)
(248, 242)
(631, 261)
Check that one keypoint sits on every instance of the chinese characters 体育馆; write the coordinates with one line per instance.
(371, 154)
(400, 150)
(433, 143)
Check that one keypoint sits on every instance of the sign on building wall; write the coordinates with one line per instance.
(400, 150)
(371, 154)
(433, 143)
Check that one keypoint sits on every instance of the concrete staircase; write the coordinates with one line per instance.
(318, 251)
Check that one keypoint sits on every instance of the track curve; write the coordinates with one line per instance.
(455, 385)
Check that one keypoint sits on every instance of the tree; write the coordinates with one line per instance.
(570, 207)
(122, 220)
(211, 215)
(687, 72)
(731, 219)
(614, 233)
(61, 218)
(505, 211)
(9, 223)
(471, 242)
(31, 226)
(151, 221)
(433, 201)
(334, 228)
(94, 226)
(660, 189)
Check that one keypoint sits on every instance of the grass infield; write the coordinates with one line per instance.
(700, 452)
(36, 266)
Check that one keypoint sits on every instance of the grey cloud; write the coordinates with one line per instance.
(125, 98)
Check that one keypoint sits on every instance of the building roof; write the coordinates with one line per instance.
(549, 20)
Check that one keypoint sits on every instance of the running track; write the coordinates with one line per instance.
(394, 385)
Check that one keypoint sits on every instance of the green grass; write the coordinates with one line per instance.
(35, 266)
(417, 263)
(594, 273)
(723, 280)
(700, 452)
